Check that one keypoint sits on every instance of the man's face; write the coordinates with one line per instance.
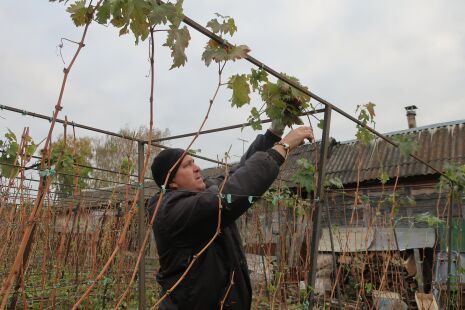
(188, 176)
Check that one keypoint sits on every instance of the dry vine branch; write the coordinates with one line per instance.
(231, 283)
(141, 178)
(45, 185)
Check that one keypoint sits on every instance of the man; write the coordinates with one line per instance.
(187, 220)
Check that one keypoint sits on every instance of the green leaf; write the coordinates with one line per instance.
(139, 24)
(334, 183)
(365, 116)
(176, 18)
(30, 149)
(257, 77)
(305, 175)
(13, 148)
(177, 41)
(321, 124)
(162, 13)
(218, 53)
(429, 219)
(364, 135)
(407, 144)
(232, 26)
(455, 177)
(10, 135)
(241, 90)
(254, 119)
(79, 12)
(103, 12)
(7, 166)
(384, 177)
(214, 25)
(213, 51)
(227, 26)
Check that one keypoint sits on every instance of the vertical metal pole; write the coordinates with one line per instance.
(316, 226)
(450, 225)
(331, 240)
(141, 226)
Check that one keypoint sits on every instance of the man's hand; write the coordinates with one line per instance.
(295, 138)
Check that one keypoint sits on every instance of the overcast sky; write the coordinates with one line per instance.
(394, 53)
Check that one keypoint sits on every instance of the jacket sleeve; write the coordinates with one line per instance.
(193, 217)
(262, 143)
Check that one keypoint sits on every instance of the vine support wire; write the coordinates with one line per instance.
(316, 225)
(141, 226)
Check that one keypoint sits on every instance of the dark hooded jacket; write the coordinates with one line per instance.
(187, 221)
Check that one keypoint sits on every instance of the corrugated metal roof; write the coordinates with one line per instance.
(438, 145)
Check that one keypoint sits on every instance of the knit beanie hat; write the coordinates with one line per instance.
(162, 164)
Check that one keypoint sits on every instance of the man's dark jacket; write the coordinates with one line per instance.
(187, 221)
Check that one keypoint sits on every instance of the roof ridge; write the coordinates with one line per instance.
(415, 129)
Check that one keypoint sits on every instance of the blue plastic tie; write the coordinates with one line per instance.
(228, 198)
(163, 189)
(47, 172)
(250, 199)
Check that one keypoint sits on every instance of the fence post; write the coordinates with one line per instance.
(141, 225)
(316, 226)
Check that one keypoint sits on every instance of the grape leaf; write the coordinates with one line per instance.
(227, 26)
(305, 175)
(232, 26)
(103, 12)
(254, 119)
(213, 51)
(241, 90)
(177, 41)
(384, 177)
(407, 144)
(162, 13)
(214, 25)
(216, 52)
(256, 77)
(370, 106)
(237, 52)
(138, 16)
(334, 183)
(79, 12)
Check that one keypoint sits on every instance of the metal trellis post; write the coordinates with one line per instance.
(450, 225)
(141, 226)
(316, 226)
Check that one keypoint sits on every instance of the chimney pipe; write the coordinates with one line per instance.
(412, 122)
